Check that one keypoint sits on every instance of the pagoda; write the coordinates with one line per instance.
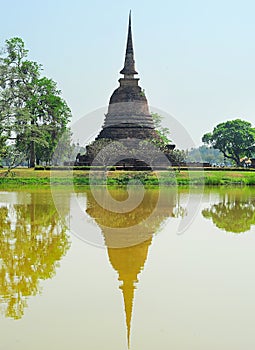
(128, 113)
(128, 119)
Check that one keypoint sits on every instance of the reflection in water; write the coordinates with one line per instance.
(234, 213)
(32, 242)
(128, 263)
(135, 226)
(128, 235)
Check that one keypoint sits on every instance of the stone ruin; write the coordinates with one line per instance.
(128, 129)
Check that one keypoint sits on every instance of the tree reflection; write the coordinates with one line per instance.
(235, 213)
(32, 242)
(128, 236)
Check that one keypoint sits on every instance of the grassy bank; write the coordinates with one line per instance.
(30, 177)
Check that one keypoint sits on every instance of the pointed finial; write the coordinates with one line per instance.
(129, 65)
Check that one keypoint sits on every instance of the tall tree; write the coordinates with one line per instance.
(233, 138)
(32, 113)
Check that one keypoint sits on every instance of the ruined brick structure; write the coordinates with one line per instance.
(128, 117)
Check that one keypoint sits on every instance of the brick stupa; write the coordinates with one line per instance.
(128, 113)
(128, 117)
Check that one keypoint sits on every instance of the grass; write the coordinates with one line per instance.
(30, 177)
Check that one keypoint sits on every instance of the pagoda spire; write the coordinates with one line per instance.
(129, 65)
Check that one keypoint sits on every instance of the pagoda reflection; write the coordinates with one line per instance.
(128, 236)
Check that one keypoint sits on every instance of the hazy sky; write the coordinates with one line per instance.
(195, 59)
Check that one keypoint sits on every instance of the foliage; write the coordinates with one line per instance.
(206, 155)
(12, 157)
(176, 156)
(32, 113)
(162, 132)
(65, 150)
(233, 138)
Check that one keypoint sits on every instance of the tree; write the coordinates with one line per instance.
(66, 150)
(162, 132)
(233, 138)
(33, 114)
(176, 156)
(206, 155)
(12, 157)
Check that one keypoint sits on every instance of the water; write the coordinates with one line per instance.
(177, 271)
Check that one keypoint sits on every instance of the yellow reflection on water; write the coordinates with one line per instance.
(123, 229)
(128, 235)
(128, 263)
(32, 242)
(234, 211)
(199, 298)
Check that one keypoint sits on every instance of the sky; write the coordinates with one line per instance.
(195, 59)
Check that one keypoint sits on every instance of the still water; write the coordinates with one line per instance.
(158, 270)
